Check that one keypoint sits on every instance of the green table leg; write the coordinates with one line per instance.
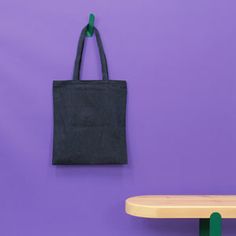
(212, 226)
(215, 224)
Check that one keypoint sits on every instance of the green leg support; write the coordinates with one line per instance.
(212, 226)
(215, 224)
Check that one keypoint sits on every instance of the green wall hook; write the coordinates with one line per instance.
(89, 32)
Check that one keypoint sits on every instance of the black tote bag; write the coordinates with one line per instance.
(89, 116)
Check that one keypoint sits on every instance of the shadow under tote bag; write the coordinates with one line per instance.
(89, 116)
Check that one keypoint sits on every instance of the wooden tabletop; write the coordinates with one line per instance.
(181, 206)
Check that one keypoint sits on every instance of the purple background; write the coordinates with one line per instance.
(178, 58)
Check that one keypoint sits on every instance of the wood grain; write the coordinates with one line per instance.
(181, 206)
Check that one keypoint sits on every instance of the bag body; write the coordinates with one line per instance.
(89, 116)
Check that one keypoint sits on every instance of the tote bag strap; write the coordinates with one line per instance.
(80, 48)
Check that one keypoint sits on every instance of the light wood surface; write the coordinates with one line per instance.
(181, 206)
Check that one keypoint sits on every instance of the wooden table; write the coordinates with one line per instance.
(210, 209)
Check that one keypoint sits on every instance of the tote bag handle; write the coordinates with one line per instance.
(79, 54)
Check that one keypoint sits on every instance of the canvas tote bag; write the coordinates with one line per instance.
(89, 116)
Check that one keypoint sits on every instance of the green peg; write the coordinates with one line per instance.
(89, 32)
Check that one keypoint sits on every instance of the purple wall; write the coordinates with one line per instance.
(178, 58)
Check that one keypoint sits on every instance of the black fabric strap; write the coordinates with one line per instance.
(80, 48)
